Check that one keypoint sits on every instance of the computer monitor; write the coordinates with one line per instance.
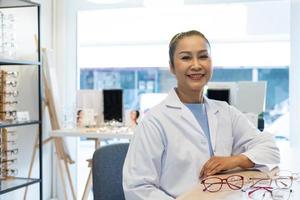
(251, 96)
(223, 91)
(113, 105)
(219, 94)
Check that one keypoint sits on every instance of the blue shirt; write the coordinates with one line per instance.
(200, 114)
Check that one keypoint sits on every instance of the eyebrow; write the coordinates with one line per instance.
(201, 51)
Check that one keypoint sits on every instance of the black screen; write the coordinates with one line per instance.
(113, 105)
(219, 94)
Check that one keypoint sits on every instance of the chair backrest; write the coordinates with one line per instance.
(107, 172)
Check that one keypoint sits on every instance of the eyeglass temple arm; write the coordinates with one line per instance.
(259, 188)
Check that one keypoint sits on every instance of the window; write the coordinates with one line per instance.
(137, 81)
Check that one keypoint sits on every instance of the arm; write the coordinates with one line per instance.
(142, 167)
(259, 147)
(219, 163)
(250, 148)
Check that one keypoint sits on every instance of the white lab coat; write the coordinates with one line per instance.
(169, 147)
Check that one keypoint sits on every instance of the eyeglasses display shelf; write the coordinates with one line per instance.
(20, 95)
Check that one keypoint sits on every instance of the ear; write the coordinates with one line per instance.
(172, 69)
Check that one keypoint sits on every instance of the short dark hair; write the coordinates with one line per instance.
(176, 38)
(137, 114)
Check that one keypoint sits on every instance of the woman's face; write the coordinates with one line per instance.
(192, 64)
(133, 115)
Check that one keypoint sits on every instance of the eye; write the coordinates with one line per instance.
(203, 56)
(185, 57)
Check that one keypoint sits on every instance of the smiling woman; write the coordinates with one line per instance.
(190, 53)
(188, 136)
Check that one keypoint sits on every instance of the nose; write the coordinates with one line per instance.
(196, 63)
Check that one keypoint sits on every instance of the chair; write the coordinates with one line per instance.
(107, 168)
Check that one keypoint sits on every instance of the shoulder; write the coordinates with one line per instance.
(153, 114)
(217, 105)
(222, 107)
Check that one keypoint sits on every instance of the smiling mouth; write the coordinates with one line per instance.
(195, 76)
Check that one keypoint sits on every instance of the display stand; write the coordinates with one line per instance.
(63, 158)
(7, 114)
(3, 146)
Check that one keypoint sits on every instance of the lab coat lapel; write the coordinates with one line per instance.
(174, 102)
(188, 116)
(212, 121)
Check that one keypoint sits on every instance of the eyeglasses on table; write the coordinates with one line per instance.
(282, 179)
(268, 193)
(281, 182)
(294, 175)
(214, 184)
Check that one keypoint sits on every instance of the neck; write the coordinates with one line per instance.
(190, 97)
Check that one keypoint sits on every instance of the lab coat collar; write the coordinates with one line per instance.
(173, 101)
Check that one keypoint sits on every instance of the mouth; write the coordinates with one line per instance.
(195, 76)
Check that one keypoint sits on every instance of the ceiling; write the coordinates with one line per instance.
(112, 4)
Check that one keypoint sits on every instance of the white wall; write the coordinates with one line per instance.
(64, 48)
(295, 74)
(240, 34)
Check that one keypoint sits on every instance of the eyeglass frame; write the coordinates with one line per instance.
(9, 102)
(222, 181)
(10, 151)
(12, 142)
(294, 175)
(9, 172)
(12, 133)
(12, 74)
(266, 188)
(10, 83)
(8, 161)
(11, 93)
(275, 179)
(9, 113)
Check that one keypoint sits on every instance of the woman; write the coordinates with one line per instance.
(134, 115)
(188, 136)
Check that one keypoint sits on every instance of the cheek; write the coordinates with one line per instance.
(172, 70)
(209, 69)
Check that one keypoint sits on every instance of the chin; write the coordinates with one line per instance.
(196, 89)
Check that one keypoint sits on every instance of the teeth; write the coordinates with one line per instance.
(196, 75)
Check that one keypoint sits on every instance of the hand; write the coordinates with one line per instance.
(219, 163)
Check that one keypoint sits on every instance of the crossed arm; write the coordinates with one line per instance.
(219, 163)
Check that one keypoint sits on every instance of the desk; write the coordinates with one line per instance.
(289, 161)
(97, 134)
